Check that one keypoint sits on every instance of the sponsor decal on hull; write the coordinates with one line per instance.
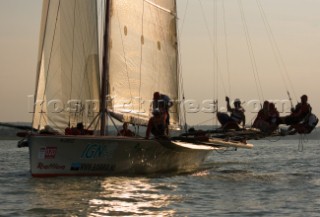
(52, 166)
(92, 167)
(47, 153)
(95, 151)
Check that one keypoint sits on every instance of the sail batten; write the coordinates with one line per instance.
(158, 6)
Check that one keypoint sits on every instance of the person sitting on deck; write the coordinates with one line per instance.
(125, 131)
(236, 117)
(48, 130)
(298, 117)
(79, 130)
(267, 119)
(298, 114)
(157, 125)
(198, 134)
(306, 126)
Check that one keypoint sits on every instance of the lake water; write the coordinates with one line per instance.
(273, 179)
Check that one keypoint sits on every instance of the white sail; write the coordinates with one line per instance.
(67, 89)
(142, 57)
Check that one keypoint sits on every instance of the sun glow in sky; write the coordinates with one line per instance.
(209, 71)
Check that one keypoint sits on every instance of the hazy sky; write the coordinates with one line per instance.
(294, 24)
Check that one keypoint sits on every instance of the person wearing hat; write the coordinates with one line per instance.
(299, 113)
(236, 117)
(157, 124)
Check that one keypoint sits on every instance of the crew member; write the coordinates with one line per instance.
(236, 117)
(125, 131)
(163, 103)
(157, 125)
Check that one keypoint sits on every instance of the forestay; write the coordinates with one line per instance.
(68, 69)
(143, 58)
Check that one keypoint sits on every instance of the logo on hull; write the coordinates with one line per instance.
(94, 151)
(53, 166)
(47, 153)
(92, 167)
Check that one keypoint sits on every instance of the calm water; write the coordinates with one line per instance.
(273, 179)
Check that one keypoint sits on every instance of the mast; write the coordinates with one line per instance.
(180, 91)
(105, 70)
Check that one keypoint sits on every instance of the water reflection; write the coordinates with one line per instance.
(102, 196)
(126, 197)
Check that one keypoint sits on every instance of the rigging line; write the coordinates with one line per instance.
(181, 95)
(302, 140)
(276, 47)
(181, 87)
(184, 17)
(177, 66)
(141, 58)
(273, 46)
(181, 80)
(211, 42)
(214, 42)
(217, 59)
(219, 74)
(49, 63)
(215, 48)
(206, 24)
(251, 53)
(218, 68)
(181, 104)
(181, 100)
(226, 46)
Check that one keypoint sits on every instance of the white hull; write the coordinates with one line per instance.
(91, 155)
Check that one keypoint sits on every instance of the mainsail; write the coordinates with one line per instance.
(142, 58)
(67, 89)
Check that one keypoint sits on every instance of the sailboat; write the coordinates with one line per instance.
(103, 60)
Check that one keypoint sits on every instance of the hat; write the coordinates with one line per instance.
(156, 95)
(304, 96)
(237, 100)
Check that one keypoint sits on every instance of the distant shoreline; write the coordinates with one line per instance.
(9, 138)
